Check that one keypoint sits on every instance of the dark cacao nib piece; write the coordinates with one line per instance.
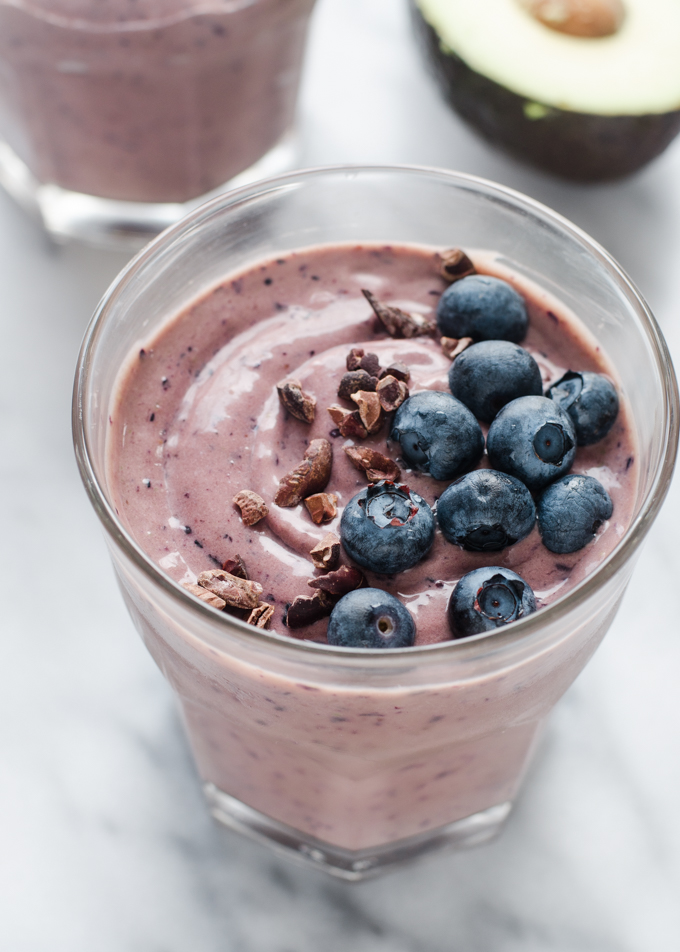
(391, 393)
(236, 566)
(455, 264)
(370, 410)
(236, 592)
(205, 596)
(374, 464)
(452, 346)
(398, 370)
(261, 616)
(340, 582)
(326, 554)
(309, 477)
(399, 323)
(354, 358)
(322, 507)
(299, 404)
(355, 380)
(253, 507)
(306, 610)
(371, 364)
(348, 422)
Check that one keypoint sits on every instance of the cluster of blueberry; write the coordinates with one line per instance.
(531, 445)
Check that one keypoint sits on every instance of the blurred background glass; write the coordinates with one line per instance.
(116, 117)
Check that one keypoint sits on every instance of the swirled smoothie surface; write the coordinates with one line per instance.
(197, 419)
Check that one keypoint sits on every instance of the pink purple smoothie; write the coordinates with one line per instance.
(204, 391)
(147, 100)
(197, 419)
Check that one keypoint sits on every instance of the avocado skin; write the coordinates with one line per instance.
(573, 145)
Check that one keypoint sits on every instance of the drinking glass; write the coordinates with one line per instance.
(353, 759)
(117, 118)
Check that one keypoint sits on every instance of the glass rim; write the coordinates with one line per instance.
(465, 649)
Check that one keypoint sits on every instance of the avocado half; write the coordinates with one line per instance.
(584, 108)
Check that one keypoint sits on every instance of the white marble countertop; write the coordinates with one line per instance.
(105, 842)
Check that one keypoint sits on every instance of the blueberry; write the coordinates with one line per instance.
(571, 511)
(438, 434)
(532, 439)
(386, 528)
(371, 618)
(590, 400)
(488, 598)
(490, 374)
(486, 511)
(483, 308)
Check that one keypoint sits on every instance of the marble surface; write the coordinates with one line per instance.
(105, 842)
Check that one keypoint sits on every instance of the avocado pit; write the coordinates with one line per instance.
(586, 18)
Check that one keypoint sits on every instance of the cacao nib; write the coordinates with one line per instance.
(236, 592)
(299, 404)
(306, 610)
(309, 477)
(322, 507)
(340, 582)
(374, 464)
(399, 323)
(454, 264)
(398, 370)
(261, 616)
(326, 554)
(355, 380)
(236, 566)
(370, 410)
(253, 507)
(391, 393)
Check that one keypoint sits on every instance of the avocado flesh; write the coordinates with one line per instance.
(566, 137)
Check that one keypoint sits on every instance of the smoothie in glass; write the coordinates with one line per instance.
(198, 419)
(353, 758)
(205, 391)
(150, 101)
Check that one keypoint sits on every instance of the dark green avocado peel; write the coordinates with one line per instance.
(578, 145)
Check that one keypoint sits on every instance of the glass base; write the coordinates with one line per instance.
(107, 222)
(352, 865)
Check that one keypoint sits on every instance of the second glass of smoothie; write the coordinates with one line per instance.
(351, 759)
(116, 117)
